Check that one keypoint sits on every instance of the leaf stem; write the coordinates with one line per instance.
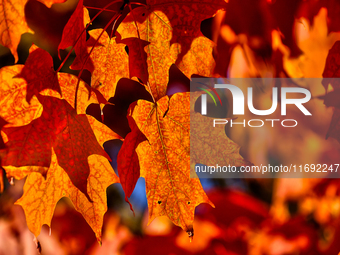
(97, 8)
(140, 4)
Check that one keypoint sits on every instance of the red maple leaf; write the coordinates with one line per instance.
(128, 163)
(60, 127)
(39, 73)
(74, 35)
(137, 58)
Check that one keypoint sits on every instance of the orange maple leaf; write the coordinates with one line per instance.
(59, 127)
(159, 54)
(13, 93)
(165, 160)
(198, 59)
(68, 85)
(110, 62)
(14, 107)
(18, 113)
(185, 19)
(41, 195)
(173, 30)
(13, 22)
(23, 115)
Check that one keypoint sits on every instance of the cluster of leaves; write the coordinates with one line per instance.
(48, 137)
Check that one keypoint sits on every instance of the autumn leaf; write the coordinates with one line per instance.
(16, 110)
(194, 51)
(13, 22)
(68, 85)
(210, 145)
(165, 160)
(156, 30)
(199, 59)
(128, 164)
(39, 73)
(137, 58)
(74, 35)
(41, 195)
(185, 19)
(110, 62)
(14, 90)
(59, 127)
(173, 30)
(52, 143)
(14, 107)
(115, 114)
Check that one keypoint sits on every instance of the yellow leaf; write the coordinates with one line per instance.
(157, 30)
(110, 63)
(173, 30)
(13, 105)
(68, 86)
(13, 22)
(165, 160)
(41, 195)
(199, 59)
